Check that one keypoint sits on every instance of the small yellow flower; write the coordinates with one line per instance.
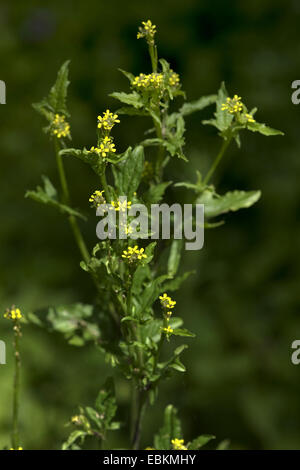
(134, 254)
(13, 313)
(233, 105)
(168, 330)
(106, 146)
(178, 444)
(96, 199)
(166, 301)
(127, 229)
(174, 79)
(19, 448)
(108, 120)
(59, 127)
(148, 31)
(120, 206)
(76, 420)
(151, 81)
(249, 117)
(150, 448)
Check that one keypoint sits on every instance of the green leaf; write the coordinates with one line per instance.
(232, 201)
(174, 284)
(58, 93)
(183, 332)
(72, 320)
(74, 436)
(132, 111)
(92, 159)
(263, 129)
(155, 192)
(106, 405)
(198, 105)
(132, 99)
(171, 429)
(48, 195)
(150, 294)
(222, 119)
(128, 75)
(200, 441)
(55, 102)
(223, 445)
(128, 173)
(174, 257)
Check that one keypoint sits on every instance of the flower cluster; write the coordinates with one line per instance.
(178, 444)
(108, 120)
(233, 105)
(167, 304)
(134, 254)
(105, 147)
(60, 127)
(152, 80)
(147, 30)
(13, 313)
(96, 199)
(174, 79)
(120, 206)
(166, 301)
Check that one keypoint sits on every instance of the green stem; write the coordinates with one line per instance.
(217, 160)
(16, 388)
(141, 404)
(153, 56)
(104, 185)
(67, 200)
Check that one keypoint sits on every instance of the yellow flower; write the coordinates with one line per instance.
(150, 448)
(147, 30)
(178, 444)
(13, 313)
(108, 120)
(59, 127)
(153, 80)
(249, 117)
(96, 199)
(166, 301)
(106, 146)
(168, 330)
(19, 448)
(233, 105)
(120, 206)
(134, 254)
(76, 420)
(174, 79)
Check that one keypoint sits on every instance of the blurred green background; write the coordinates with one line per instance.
(243, 303)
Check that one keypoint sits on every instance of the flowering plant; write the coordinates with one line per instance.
(133, 319)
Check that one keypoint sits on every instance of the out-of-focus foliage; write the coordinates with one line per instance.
(244, 301)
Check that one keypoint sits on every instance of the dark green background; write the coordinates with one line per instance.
(244, 301)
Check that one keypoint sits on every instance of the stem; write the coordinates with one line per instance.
(153, 56)
(104, 184)
(138, 422)
(217, 160)
(67, 200)
(16, 389)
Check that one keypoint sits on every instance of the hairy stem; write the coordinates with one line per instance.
(217, 160)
